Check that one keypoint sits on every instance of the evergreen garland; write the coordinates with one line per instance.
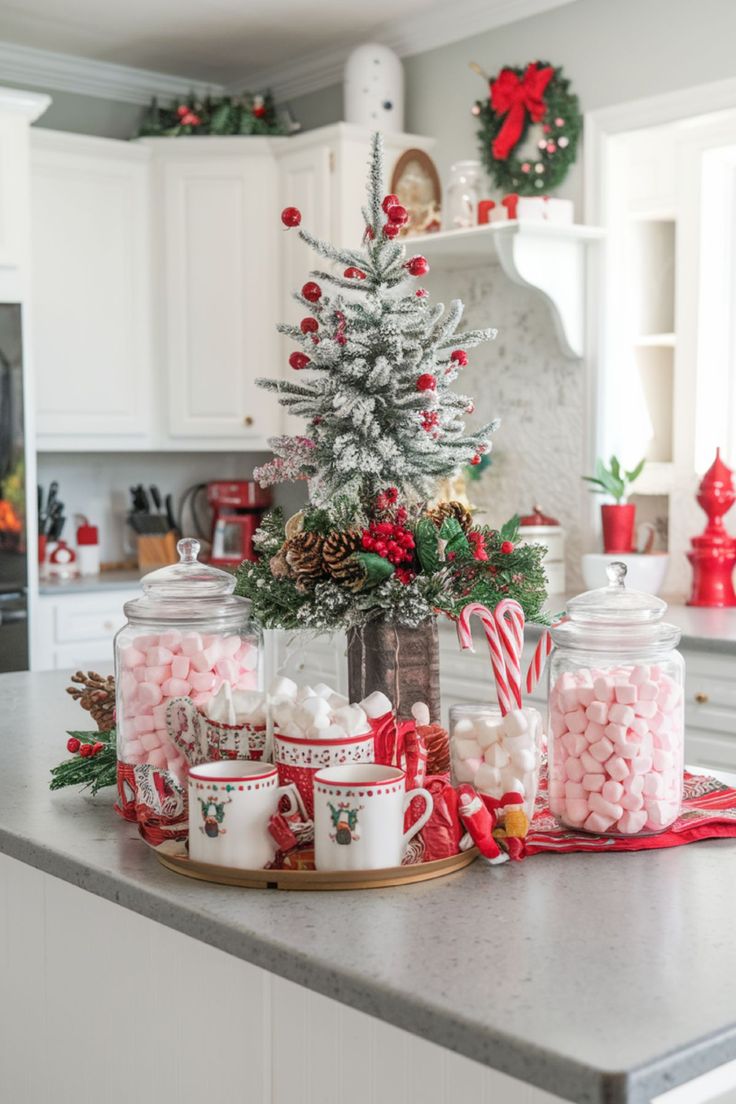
(249, 113)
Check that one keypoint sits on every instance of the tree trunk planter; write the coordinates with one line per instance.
(403, 663)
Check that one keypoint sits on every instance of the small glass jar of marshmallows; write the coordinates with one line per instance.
(497, 754)
(188, 636)
(616, 720)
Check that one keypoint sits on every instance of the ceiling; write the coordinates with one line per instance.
(290, 45)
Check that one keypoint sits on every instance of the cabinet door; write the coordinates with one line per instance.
(305, 183)
(221, 301)
(90, 265)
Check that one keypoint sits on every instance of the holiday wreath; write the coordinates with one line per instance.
(517, 98)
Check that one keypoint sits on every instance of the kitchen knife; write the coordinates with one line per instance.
(170, 515)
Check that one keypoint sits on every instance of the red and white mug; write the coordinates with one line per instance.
(359, 817)
(298, 758)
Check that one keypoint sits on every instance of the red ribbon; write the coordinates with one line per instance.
(514, 97)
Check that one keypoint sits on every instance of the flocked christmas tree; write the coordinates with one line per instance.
(372, 376)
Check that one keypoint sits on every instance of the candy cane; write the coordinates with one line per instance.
(498, 663)
(541, 653)
(509, 618)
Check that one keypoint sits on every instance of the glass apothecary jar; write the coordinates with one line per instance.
(496, 754)
(188, 637)
(462, 195)
(616, 716)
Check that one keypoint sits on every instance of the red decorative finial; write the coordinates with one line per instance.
(713, 553)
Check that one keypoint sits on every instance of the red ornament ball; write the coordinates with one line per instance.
(291, 216)
(85, 750)
(312, 292)
(389, 201)
(398, 214)
(97, 747)
(459, 356)
(391, 230)
(73, 745)
(426, 382)
(417, 266)
(298, 360)
(475, 460)
(259, 111)
(309, 325)
(354, 273)
(421, 293)
(507, 547)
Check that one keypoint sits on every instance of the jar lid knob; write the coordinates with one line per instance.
(616, 572)
(188, 549)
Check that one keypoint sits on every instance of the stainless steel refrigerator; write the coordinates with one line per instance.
(13, 527)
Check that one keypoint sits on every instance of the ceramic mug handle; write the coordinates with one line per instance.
(291, 794)
(419, 824)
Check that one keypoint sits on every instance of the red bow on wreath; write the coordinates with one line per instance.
(515, 96)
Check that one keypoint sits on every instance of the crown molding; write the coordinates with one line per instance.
(25, 65)
(407, 36)
(29, 104)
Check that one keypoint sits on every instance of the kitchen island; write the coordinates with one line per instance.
(580, 977)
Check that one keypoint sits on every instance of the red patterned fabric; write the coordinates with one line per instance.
(708, 812)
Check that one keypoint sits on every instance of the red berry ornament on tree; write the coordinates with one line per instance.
(389, 201)
(459, 357)
(354, 273)
(291, 216)
(507, 548)
(398, 215)
(391, 230)
(299, 360)
(85, 750)
(426, 382)
(312, 292)
(417, 266)
(476, 460)
(309, 325)
(430, 419)
(97, 747)
(73, 745)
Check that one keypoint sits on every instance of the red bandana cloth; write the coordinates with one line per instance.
(708, 812)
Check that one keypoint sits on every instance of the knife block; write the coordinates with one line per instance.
(157, 550)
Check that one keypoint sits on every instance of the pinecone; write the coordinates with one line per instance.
(97, 697)
(304, 556)
(339, 559)
(454, 509)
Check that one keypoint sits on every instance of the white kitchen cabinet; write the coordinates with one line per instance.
(75, 630)
(91, 292)
(216, 214)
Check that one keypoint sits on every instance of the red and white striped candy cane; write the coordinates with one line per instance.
(498, 662)
(509, 618)
(541, 654)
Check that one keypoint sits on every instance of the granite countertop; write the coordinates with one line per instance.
(601, 978)
(92, 584)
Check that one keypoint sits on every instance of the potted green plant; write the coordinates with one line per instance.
(617, 518)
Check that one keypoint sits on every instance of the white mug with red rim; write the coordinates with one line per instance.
(359, 817)
(230, 805)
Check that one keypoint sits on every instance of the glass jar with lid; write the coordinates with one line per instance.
(187, 637)
(616, 718)
(462, 195)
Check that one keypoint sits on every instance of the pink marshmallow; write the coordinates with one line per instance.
(662, 760)
(639, 726)
(593, 782)
(639, 675)
(150, 740)
(139, 673)
(158, 656)
(132, 748)
(191, 643)
(131, 657)
(157, 758)
(575, 810)
(621, 714)
(634, 784)
(586, 696)
(176, 688)
(591, 765)
(149, 693)
(617, 768)
(615, 732)
(612, 791)
(569, 699)
(557, 724)
(575, 791)
(159, 716)
(625, 694)
(627, 749)
(227, 670)
(202, 681)
(576, 721)
(645, 709)
(180, 666)
(602, 750)
(631, 802)
(653, 785)
(597, 711)
(170, 639)
(213, 653)
(594, 732)
(230, 646)
(247, 681)
(157, 674)
(598, 804)
(603, 687)
(574, 769)
(632, 822)
(142, 723)
(648, 691)
(200, 662)
(660, 814)
(596, 822)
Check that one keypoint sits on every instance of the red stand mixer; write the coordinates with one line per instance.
(713, 554)
(237, 509)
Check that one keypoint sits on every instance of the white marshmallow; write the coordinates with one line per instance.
(516, 722)
(322, 690)
(283, 687)
(304, 693)
(468, 749)
(487, 732)
(337, 701)
(352, 718)
(488, 780)
(496, 755)
(376, 705)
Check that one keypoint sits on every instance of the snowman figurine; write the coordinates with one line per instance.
(374, 88)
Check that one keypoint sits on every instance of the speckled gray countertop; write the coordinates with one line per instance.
(601, 978)
(91, 584)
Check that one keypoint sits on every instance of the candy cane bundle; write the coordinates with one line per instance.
(504, 629)
(541, 655)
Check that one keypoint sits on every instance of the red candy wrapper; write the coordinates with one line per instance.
(443, 831)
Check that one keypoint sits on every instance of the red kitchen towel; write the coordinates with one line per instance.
(708, 811)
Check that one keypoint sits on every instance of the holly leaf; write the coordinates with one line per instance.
(510, 530)
(377, 570)
(428, 552)
(451, 532)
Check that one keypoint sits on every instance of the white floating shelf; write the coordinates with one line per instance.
(657, 479)
(657, 340)
(547, 256)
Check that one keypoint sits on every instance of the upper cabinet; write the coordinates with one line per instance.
(91, 291)
(216, 207)
(17, 111)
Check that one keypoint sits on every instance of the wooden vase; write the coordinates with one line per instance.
(403, 663)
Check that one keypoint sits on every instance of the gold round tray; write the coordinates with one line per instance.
(316, 879)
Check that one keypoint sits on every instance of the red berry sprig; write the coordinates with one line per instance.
(387, 498)
(430, 419)
(291, 216)
(459, 357)
(73, 745)
(426, 382)
(312, 292)
(507, 548)
(398, 215)
(478, 544)
(390, 541)
(389, 201)
(421, 293)
(391, 230)
(417, 266)
(353, 273)
(299, 361)
(309, 325)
